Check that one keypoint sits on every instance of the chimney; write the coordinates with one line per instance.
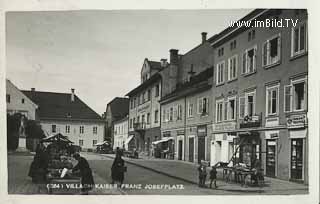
(163, 62)
(72, 95)
(204, 37)
(174, 58)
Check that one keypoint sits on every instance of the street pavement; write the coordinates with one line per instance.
(144, 176)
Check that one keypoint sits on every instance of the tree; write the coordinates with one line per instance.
(13, 127)
(33, 130)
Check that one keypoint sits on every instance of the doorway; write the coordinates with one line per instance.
(201, 148)
(271, 158)
(191, 149)
(296, 158)
(180, 145)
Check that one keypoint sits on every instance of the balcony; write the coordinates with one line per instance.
(251, 121)
(139, 126)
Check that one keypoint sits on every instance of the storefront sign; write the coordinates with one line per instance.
(296, 121)
(202, 131)
(166, 134)
(224, 126)
(295, 134)
(272, 134)
(180, 132)
(250, 121)
(143, 108)
(271, 122)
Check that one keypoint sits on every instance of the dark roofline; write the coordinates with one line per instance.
(121, 119)
(145, 84)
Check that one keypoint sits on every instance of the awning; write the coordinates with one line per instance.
(128, 140)
(162, 140)
(102, 143)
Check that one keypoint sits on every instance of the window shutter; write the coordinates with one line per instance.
(242, 103)
(244, 62)
(288, 98)
(264, 54)
(279, 48)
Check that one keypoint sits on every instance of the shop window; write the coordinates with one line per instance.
(272, 103)
(220, 73)
(299, 39)
(271, 51)
(53, 128)
(67, 128)
(232, 67)
(249, 61)
(295, 96)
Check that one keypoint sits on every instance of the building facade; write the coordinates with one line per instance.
(67, 114)
(121, 134)
(186, 103)
(260, 95)
(144, 107)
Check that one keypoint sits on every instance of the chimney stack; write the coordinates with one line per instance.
(72, 95)
(204, 37)
(163, 62)
(174, 57)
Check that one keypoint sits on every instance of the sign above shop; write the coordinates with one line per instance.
(271, 122)
(224, 126)
(180, 132)
(166, 134)
(250, 121)
(297, 121)
(202, 130)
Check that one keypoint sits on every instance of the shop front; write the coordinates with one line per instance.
(164, 148)
(297, 127)
(202, 138)
(271, 141)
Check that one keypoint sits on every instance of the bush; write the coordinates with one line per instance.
(13, 127)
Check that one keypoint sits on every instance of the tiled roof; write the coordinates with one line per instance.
(154, 78)
(59, 106)
(119, 107)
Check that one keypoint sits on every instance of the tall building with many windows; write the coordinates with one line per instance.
(260, 94)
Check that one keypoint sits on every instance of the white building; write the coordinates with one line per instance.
(65, 113)
(121, 134)
(18, 102)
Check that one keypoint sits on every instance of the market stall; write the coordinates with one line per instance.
(59, 178)
(164, 148)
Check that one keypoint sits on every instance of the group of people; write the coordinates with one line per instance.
(203, 175)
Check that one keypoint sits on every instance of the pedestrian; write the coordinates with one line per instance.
(213, 177)
(39, 166)
(85, 173)
(202, 175)
(118, 169)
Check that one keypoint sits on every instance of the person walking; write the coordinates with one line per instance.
(87, 181)
(202, 175)
(118, 169)
(213, 177)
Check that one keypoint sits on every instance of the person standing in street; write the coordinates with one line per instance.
(213, 177)
(202, 175)
(118, 169)
(85, 172)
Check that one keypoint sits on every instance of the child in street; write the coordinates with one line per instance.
(213, 177)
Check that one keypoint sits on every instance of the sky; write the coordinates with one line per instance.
(100, 53)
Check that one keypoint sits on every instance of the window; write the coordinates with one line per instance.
(157, 92)
(233, 44)
(80, 143)
(190, 109)
(142, 119)
(156, 116)
(232, 67)
(138, 119)
(272, 97)
(220, 73)
(249, 61)
(171, 114)
(231, 108)
(53, 128)
(148, 118)
(149, 95)
(299, 39)
(179, 114)
(134, 121)
(8, 98)
(95, 130)
(22, 100)
(164, 118)
(130, 123)
(219, 110)
(67, 128)
(81, 129)
(94, 142)
(251, 35)
(271, 51)
(139, 102)
(220, 52)
(135, 102)
(247, 104)
(295, 96)
(203, 105)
